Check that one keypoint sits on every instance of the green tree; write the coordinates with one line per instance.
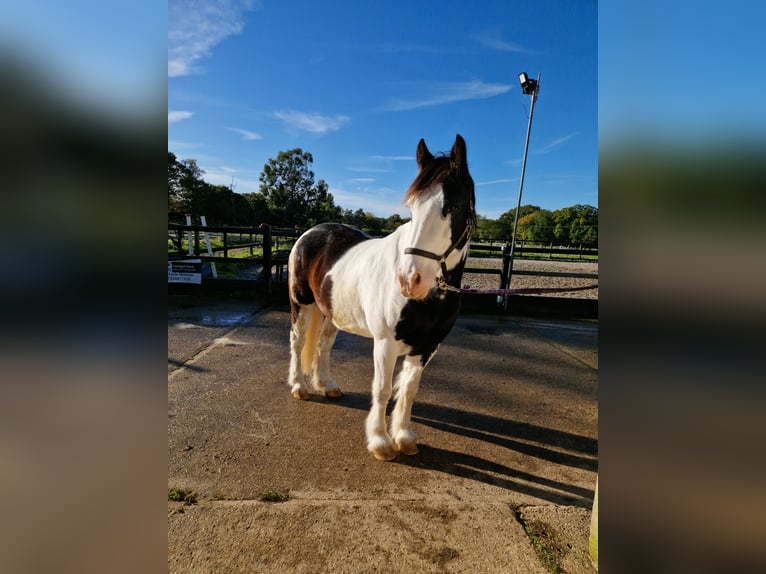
(259, 208)
(505, 221)
(323, 207)
(487, 229)
(373, 225)
(576, 225)
(186, 188)
(175, 196)
(537, 227)
(292, 196)
(393, 223)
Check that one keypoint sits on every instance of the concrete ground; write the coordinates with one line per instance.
(507, 426)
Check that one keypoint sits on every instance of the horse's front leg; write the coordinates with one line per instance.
(407, 383)
(379, 442)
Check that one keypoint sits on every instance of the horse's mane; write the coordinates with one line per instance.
(434, 172)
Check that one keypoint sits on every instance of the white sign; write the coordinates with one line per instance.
(185, 271)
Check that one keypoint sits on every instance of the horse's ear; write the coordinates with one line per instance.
(423, 155)
(458, 154)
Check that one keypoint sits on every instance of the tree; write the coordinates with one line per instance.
(175, 204)
(393, 222)
(537, 227)
(186, 188)
(259, 208)
(292, 197)
(505, 221)
(487, 229)
(576, 225)
(323, 208)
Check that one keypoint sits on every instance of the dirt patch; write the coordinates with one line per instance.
(437, 535)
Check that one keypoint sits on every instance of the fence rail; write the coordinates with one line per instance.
(521, 249)
(275, 243)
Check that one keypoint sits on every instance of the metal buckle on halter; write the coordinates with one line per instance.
(442, 285)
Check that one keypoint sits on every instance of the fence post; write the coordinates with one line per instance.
(225, 247)
(266, 274)
(506, 266)
(196, 242)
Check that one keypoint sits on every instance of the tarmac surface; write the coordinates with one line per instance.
(507, 426)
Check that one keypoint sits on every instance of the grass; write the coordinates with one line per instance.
(273, 496)
(541, 541)
(188, 497)
(542, 544)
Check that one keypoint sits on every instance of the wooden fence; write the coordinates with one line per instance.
(269, 247)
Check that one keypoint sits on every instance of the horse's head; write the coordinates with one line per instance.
(441, 199)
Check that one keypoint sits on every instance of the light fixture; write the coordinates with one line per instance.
(528, 87)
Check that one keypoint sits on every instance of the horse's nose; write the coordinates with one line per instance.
(411, 286)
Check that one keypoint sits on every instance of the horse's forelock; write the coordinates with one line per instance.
(435, 171)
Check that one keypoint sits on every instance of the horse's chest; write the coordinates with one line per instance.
(423, 325)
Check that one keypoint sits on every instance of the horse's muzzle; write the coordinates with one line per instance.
(413, 286)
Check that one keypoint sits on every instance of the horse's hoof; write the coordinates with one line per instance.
(299, 393)
(384, 454)
(383, 451)
(408, 448)
(335, 393)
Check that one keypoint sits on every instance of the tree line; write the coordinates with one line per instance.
(289, 196)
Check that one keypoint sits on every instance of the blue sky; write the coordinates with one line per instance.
(683, 71)
(357, 84)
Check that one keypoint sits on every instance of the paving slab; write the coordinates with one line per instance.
(507, 426)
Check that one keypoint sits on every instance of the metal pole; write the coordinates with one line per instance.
(521, 187)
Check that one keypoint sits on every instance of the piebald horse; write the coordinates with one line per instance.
(401, 290)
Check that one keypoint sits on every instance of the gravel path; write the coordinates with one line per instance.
(486, 281)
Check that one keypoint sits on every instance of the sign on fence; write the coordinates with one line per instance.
(185, 271)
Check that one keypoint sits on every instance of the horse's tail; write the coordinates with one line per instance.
(309, 351)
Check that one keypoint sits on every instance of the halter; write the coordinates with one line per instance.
(441, 283)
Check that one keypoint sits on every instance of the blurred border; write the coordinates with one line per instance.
(83, 136)
(83, 291)
(682, 175)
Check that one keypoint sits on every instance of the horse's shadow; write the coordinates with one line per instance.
(550, 445)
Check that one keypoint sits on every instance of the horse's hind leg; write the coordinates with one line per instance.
(322, 378)
(407, 383)
(300, 323)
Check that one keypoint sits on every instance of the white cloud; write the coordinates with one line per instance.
(365, 169)
(179, 145)
(448, 92)
(246, 134)
(314, 123)
(196, 26)
(556, 143)
(496, 181)
(496, 43)
(392, 157)
(178, 115)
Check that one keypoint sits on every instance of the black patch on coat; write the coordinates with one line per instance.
(425, 323)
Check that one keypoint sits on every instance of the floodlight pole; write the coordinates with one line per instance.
(531, 87)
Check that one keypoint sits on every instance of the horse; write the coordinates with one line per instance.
(401, 290)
